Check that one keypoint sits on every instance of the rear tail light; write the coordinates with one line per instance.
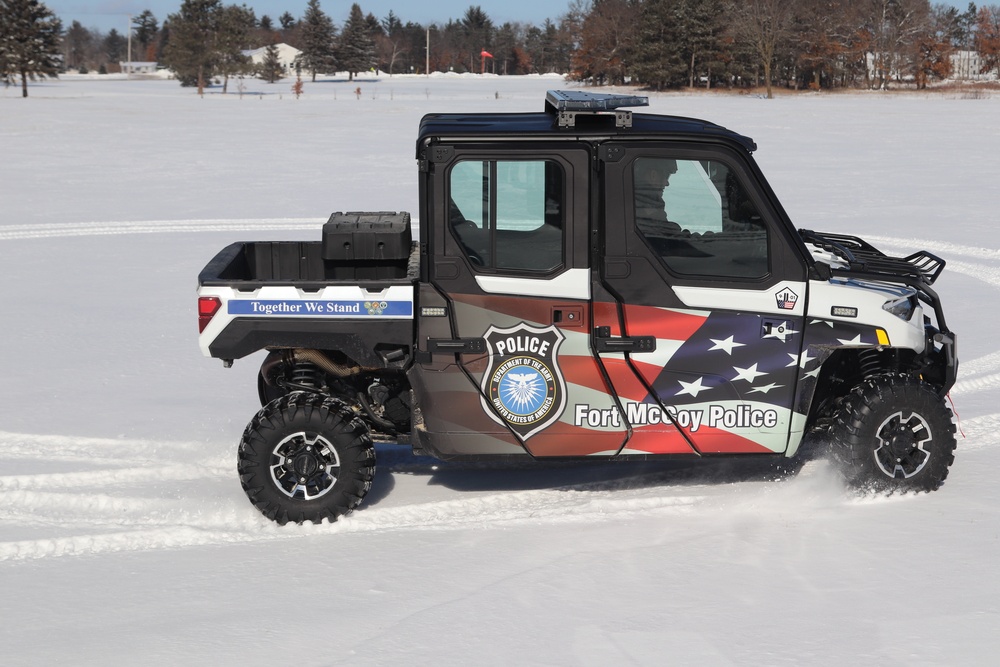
(208, 306)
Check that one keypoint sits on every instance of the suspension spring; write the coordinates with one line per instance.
(306, 374)
(870, 362)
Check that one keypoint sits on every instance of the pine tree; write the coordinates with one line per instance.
(271, 69)
(77, 45)
(29, 41)
(115, 47)
(318, 41)
(390, 44)
(659, 60)
(236, 23)
(191, 51)
(144, 31)
(477, 30)
(357, 50)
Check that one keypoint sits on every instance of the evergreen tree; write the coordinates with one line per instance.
(659, 57)
(703, 24)
(29, 41)
(236, 23)
(477, 29)
(271, 70)
(318, 41)
(115, 47)
(191, 51)
(144, 31)
(77, 45)
(357, 50)
(390, 43)
(287, 21)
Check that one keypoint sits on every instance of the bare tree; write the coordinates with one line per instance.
(607, 42)
(766, 26)
(894, 28)
(988, 38)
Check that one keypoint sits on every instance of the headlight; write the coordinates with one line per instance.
(902, 307)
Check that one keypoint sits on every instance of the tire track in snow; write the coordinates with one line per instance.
(177, 526)
(976, 384)
(945, 247)
(114, 477)
(174, 526)
(18, 446)
(980, 432)
(120, 227)
(110, 228)
(139, 540)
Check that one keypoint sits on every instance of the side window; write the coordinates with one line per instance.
(508, 214)
(697, 217)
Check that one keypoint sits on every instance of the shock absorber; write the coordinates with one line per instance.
(306, 375)
(870, 363)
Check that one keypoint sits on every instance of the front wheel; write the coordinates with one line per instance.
(306, 457)
(893, 433)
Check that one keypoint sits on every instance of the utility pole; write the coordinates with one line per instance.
(128, 65)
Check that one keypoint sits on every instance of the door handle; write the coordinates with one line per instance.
(604, 342)
(459, 346)
(568, 316)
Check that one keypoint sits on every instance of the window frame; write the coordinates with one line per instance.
(491, 162)
(687, 155)
(784, 263)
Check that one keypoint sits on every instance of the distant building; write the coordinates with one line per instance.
(286, 56)
(135, 67)
(967, 65)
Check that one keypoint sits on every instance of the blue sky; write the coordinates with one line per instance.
(107, 14)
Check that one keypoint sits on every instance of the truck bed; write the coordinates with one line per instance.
(248, 265)
(353, 291)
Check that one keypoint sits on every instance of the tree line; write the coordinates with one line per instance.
(814, 44)
(658, 44)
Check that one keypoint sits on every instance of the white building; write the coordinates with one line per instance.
(967, 65)
(286, 56)
(137, 67)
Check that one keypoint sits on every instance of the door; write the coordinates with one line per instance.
(698, 261)
(512, 262)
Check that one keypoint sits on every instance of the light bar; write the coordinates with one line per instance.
(578, 100)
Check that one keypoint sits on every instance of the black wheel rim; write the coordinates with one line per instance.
(902, 439)
(304, 466)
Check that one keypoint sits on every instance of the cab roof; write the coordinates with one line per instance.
(574, 114)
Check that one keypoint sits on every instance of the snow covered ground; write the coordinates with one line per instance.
(125, 537)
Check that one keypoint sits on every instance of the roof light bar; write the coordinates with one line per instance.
(568, 104)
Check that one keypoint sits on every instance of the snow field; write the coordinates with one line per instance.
(125, 537)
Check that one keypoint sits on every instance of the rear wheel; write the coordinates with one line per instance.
(893, 433)
(306, 457)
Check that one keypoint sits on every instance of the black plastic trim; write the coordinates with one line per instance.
(355, 338)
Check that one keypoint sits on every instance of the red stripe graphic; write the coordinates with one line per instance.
(661, 322)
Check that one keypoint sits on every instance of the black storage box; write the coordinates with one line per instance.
(367, 236)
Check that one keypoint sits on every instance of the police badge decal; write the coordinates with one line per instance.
(523, 387)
